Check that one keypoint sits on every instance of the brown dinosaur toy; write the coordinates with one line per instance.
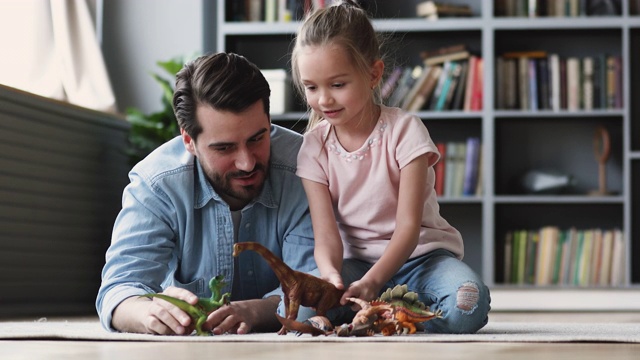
(373, 318)
(299, 289)
(395, 312)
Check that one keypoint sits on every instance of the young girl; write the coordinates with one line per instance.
(368, 173)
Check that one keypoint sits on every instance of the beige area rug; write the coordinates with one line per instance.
(493, 332)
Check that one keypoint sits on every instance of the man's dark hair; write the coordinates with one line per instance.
(224, 81)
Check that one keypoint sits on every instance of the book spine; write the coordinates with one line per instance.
(500, 83)
(508, 245)
(460, 162)
(476, 98)
(563, 83)
(458, 97)
(471, 166)
(554, 75)
(391, 82)
(473, 62)
(544, 92)
(573, 87)
(444, 76)
(533, 85)
(611, 82)
(446, 86)
(587, 83)
(450, 167)
(427, 89)
(439, 168)
(523, 82)
(401, 88)
(419, 74)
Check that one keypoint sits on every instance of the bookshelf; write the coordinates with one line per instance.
(514, 141)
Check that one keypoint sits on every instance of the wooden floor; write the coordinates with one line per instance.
(71, 350)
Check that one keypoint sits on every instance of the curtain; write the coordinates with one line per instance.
(50, 48)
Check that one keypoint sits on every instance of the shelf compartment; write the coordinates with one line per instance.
(635, 224)
(634, 85)
(555, 144)
(564, 42)
(381, 25)
(562, 112)
(533, 217)
(524, 69)
(406, 9)
(267, 52)
(403, 48)
(453, 129)
(551, 9)
(558, 199)
(521, 23)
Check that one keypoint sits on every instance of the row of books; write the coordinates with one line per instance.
(550, 256)
(558, 8)
(448, 79)
(536, 80)
(272, 10)
(433, 10)
(459, 171)
(288, 10)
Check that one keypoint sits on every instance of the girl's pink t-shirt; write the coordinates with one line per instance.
(364, 184)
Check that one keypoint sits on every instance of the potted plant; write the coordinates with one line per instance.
(148, 131)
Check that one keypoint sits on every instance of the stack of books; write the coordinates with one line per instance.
(448, 78)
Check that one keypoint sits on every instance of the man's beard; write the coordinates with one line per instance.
(223, 186)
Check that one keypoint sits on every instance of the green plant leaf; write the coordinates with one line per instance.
(172, 66)
(148, 131)
(167, 89)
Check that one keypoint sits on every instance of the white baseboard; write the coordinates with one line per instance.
(565, 299)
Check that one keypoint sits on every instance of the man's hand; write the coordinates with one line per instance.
(141, 315)
(241, 317)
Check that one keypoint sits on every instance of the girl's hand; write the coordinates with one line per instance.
(360, 289)
(335, 279)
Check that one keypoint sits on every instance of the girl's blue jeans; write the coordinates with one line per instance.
(442, 282)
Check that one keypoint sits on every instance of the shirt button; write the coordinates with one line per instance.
(250, 272)
(247, 225)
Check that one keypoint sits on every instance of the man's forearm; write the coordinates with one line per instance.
(127, 317)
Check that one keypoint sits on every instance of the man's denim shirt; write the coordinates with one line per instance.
(175, 230)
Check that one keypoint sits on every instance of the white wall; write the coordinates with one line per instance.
(137, 34)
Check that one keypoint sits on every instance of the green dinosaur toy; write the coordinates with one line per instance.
(204, 307)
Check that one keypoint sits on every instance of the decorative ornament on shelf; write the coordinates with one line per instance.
(602, 151)
(547, 182)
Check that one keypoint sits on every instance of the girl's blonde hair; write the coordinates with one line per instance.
(347, 25)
